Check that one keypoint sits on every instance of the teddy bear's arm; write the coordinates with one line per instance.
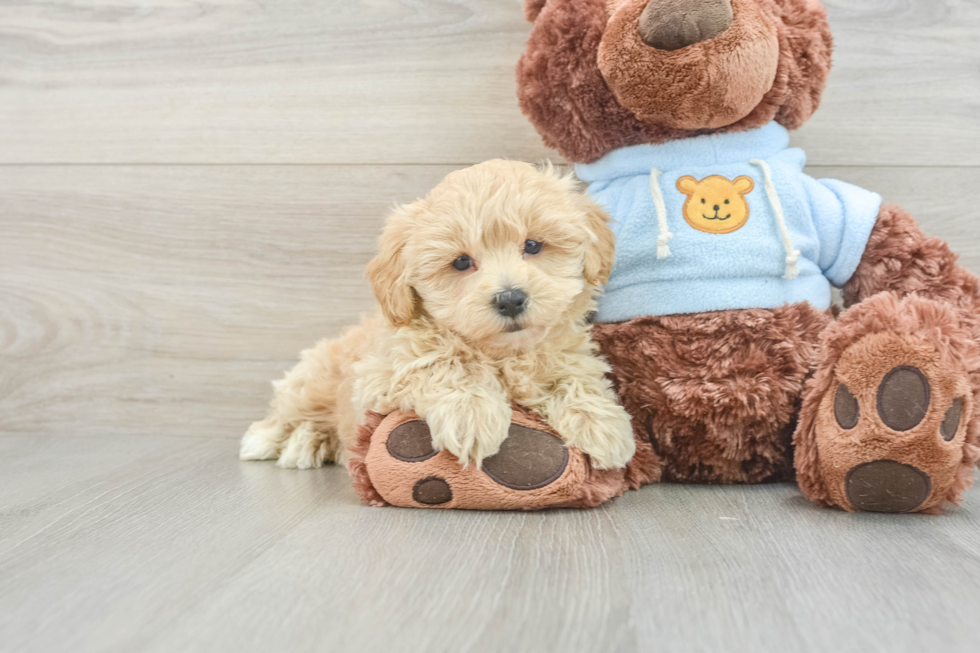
(900, 258)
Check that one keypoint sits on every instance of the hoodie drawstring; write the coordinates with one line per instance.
(664, 235)
(792, 254)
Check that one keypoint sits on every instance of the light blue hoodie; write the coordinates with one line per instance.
(801, 234)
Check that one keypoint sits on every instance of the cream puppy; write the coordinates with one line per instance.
(485, 286)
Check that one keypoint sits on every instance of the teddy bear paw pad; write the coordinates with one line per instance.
(887, 486)
(411, 442)
(432, 491)
(397, 465)
(892, 433)
(528, 459)
(903, 398)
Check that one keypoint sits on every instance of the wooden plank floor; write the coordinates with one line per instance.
(169, 544)
(188, 194)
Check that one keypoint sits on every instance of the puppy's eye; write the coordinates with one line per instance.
(464, 262)
(702, 200)
(726, 201)
(532, 247)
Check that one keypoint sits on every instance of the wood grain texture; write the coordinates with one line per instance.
(410, 81)
(163, 299)
(145, 307)
(167, 544)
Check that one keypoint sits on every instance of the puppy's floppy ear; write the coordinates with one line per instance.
(600, 252)
(387, 271)
(532, 8)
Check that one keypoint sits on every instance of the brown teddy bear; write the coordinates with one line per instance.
(717, 319)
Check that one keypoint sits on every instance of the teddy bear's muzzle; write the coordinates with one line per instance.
(675, 24)
(690, 64)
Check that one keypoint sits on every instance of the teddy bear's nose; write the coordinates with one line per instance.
(676, 24)
(717, 208)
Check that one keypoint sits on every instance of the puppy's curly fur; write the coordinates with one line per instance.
(442, 349)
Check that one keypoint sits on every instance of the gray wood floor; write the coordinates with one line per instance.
(188, 194)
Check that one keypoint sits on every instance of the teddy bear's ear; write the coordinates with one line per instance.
(532, 8)
(744, 185)
(687, 185)
(807, 41)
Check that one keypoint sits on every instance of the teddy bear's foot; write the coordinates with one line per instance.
(891, 413)
(394, 463)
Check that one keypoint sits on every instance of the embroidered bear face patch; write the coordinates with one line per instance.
(716, 205)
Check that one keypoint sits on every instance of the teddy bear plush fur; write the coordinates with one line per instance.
(875, 409)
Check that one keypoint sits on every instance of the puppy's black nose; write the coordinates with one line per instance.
(510, 302)
(717, 207)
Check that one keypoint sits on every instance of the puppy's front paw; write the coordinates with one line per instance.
(469, 427)
(603, 432)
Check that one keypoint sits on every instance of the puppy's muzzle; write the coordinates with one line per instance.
(510, 302)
